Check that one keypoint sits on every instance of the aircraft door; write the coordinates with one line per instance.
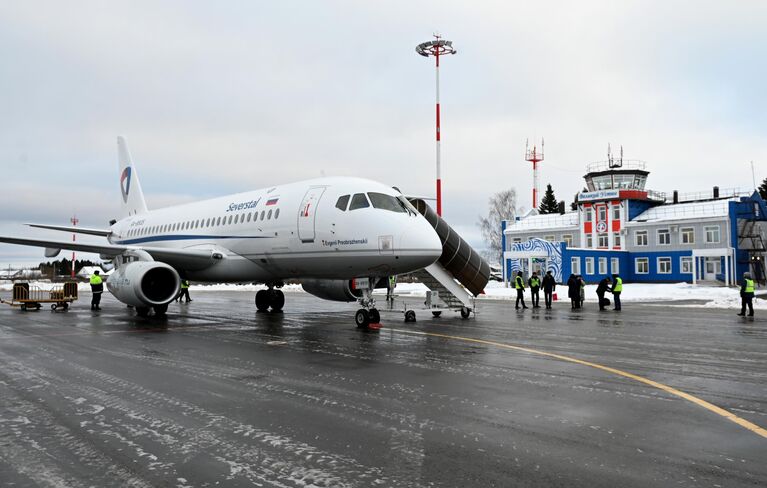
(307, 213)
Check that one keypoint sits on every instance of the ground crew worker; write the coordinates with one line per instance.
(184, 291)
(390, 288)
(573, 292)
(747, 295)
(97, 288)
(535, 285)
(616, 290)
(549, 285)
(519, 284)
(602, 288)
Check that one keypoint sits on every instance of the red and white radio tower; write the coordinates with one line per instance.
(535, 157)
(74, 221)
(437, 48)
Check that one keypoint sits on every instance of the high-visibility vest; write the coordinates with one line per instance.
(534, 283)
(184, 284)
(392, 281)
(519, 284)
(749, 286)
(618, 287)
(96, 280)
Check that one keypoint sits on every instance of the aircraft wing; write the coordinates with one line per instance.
(75, 230)
(178, 258)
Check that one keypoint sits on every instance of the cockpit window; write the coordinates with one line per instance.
(342, 202)
(359, 200)
(386, 202)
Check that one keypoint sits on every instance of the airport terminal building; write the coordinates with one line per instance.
(643, 235)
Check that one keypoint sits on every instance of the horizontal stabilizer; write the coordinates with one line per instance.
(74, 230)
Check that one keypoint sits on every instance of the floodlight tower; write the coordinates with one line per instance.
(535, 157)
(74, 221)
(438, 47)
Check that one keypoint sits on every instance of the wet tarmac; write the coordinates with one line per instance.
(218, 395)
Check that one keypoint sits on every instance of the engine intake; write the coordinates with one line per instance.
(144, 283)
(333, 290)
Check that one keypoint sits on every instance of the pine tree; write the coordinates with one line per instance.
(763, 189)
(549, 203)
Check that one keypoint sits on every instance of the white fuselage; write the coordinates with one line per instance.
(292, 231)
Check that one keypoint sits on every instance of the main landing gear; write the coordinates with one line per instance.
(270, 298)
(367, 317)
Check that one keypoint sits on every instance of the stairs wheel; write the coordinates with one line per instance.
(465, 312)
(410, 316)
(437, 314)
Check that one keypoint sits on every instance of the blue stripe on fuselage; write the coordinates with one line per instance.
(184, 238)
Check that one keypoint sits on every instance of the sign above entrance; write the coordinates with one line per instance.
(588, 196)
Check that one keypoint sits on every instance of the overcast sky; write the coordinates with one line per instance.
(219, 97)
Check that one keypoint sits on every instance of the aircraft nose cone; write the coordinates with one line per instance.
(421, 240)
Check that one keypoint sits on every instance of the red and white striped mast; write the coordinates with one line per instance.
(535, 157)
(438, 47)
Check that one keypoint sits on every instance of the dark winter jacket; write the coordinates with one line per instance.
(573, 288)
(549, 284)
(602, 287)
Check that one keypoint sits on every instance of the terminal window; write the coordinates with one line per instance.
(641, 238)
(641, 265)
(615, 265)
(602, 240)
(602, 266)
(664, 237)
(589, 266)
(587, 214)
(712, 234)
(664, 265)
(589, 241)
(575, 265)
(617, 240)
(685, 264)
(687, 236)
(616, 212)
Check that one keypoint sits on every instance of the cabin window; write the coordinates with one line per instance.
(250, 215)
(342, 202)
(263, 214)
(359, 200)
(269, 215)
(386, 202)
(230, 219)
(276, 214)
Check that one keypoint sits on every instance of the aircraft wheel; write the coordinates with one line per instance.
(437, 314)
(465, 312)
(362, 318)
(160, 310)
(53, 307)
(142, 311)
(262, 300)
(23, 307)
(410, 316)
(375, 317)
(66, 306)
(277, 300)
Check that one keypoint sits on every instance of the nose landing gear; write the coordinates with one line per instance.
(367, 317)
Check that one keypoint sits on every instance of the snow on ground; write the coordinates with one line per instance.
(713, 296)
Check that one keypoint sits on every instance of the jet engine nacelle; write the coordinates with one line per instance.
(144, 283)
(334, 290)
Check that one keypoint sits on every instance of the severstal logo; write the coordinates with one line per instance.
(125, 183)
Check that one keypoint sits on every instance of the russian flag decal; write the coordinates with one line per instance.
(272, 201)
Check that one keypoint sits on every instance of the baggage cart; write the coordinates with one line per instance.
(29, 297)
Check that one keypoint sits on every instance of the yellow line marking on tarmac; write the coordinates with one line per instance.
(673, 391)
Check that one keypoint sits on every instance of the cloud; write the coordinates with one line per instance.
(216, 99)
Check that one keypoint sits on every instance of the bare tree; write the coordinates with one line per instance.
(502, 206)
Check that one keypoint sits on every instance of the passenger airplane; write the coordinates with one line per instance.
(337, 236)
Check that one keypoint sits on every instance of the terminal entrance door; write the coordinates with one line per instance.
(713, 268)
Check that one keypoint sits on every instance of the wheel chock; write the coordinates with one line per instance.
(376, 326)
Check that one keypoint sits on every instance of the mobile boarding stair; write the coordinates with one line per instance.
(458, 276)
